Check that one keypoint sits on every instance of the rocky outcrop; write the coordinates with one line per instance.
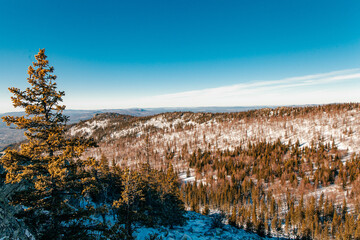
(10, 227)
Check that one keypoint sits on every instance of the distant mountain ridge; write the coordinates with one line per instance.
(10, 135)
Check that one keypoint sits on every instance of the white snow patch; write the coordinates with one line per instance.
(197, 227)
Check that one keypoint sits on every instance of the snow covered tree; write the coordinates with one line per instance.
(52, 199)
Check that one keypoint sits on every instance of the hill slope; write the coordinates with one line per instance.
(273, 166)
(9, 135)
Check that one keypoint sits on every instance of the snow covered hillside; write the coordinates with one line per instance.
(297, 161)
(223, 131)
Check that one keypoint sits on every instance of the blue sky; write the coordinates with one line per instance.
(120, 54)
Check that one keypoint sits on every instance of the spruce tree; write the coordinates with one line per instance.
(205, 210)
(344, 209)
(46, 164)
(130, 206)
(173, 207)
(232, 218)
(260, 228)
(357, 231)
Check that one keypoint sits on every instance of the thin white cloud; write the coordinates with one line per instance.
(337, 86)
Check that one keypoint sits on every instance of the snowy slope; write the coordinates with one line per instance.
(198, 227)
(341, 127)
(180, 134)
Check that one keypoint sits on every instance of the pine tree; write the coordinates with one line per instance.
(287, 223)
(357, 231)
(325, 231)
(260, 228)
(305, 231)
(104, 164)
(194, 206)
(130, 206)
(349, 227)
(46, 164)
(266, 224)
(106, 188)
(232, 219)
(206, 210)
(344, 209)
(248, 221)
(275, 223)
(173, 207)
(336, 221)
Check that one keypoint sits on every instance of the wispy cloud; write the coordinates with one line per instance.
(337, 86)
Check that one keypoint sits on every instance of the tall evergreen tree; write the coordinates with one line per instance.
(172, 205)
(52, 200)
(130, 206)
(233, 217)
(357, 232)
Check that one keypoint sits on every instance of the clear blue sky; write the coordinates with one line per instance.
(114, 54)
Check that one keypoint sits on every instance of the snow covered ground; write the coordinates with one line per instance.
(198, 227)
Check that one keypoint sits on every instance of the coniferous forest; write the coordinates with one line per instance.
(108, 182)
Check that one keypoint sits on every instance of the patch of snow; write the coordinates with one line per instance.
(89, 128)
(197, 227)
